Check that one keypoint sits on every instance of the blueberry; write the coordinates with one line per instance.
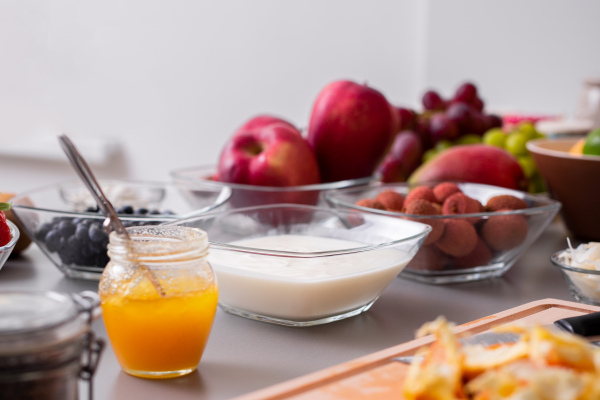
(96, 233)
(125, 210)
(168, 212)
(81, 232)
(155, 212)
(92, 209)
(43, 231)
(141, 211)
(52, 240)
(66, 228)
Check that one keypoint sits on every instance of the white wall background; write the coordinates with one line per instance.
(168, 81)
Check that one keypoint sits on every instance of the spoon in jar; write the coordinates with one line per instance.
(112, 219)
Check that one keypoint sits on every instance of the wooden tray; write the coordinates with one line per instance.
(378, 376)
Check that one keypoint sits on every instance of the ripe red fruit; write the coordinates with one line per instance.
(403, 158)
(433, 101)
(442, 128)
(260, 121)
(4, 230)
(460, 114)
(351, 128)
(391, 200)
(406, 119)
(459, 238)
(467, 93)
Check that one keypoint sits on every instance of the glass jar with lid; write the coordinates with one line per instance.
(46, 344)
(159, 298)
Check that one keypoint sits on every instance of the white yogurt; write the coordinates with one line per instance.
(303, 289)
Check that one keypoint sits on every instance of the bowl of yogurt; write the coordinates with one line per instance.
(301, 265)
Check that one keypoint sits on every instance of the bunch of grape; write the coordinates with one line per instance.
(447, 122)
(514, 141)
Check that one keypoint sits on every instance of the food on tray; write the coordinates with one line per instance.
(469, 241)
(542, 364)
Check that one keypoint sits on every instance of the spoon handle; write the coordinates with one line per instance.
(86, 175)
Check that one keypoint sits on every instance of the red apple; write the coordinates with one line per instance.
(275, 155)
(351, 128)
(260, 121)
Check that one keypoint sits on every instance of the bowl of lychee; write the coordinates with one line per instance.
(478, 231)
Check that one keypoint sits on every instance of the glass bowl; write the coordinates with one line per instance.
(63, 220)
(431, 265)
(584, 284)
(8, 247)
(300, 265)
(195, 180)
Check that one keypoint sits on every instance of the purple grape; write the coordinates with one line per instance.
(406, 118)
(460, 114)
(478, 123)
(442, 127)
(493, 121)
(478, 104)
(403, 158)
(432, 101)
(467, 93)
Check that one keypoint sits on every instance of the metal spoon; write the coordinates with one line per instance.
(112, 219)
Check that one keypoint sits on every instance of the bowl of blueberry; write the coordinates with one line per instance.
(65, 222)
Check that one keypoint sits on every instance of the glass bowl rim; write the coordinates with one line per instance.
(292, 254)
(100, 216)
(555, 259)
(179, 178)
(15, 234)
(550, 206)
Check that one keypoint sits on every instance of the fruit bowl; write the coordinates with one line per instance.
(462, 247)
(300, 265)
(194, 181)
(573, 180)
(8, 247)
(63, 219)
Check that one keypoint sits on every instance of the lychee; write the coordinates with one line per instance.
(421, 207)
(506, 202)
(428, 258)
(480, 256)
(420, 192)
(370, 203)
(504, 232)
(391, 200)
(459, 238)
(445, 189)
(424, 207)
(459, 203)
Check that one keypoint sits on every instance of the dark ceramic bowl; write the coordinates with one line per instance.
(574, 180)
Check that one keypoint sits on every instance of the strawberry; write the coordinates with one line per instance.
(4, 229)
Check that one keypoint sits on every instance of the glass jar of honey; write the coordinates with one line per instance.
(46, 344)
(159, 297)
